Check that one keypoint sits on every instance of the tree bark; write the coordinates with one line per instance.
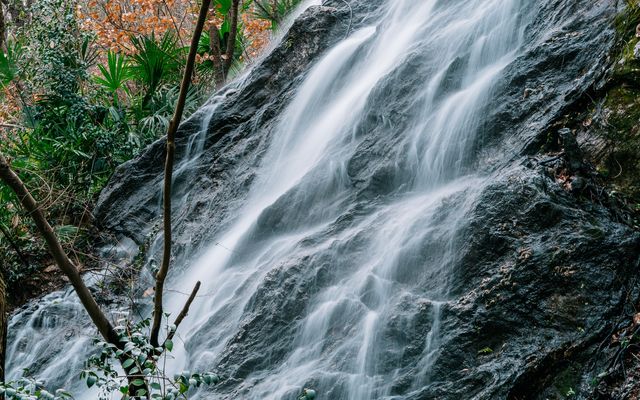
(216, 54)
(3, 29)
(158, 309)
(274, 10)
(233, 33)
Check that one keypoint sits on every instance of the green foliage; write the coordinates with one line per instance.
(115, 74)
(27, 388)
(9, 63)
(223, 6)
(58, 53)
(141, 361)
(74, 126)
(161, 106)
(614, 116)
(156, 62)
(627, 20)
(144, 371)
(64, 143)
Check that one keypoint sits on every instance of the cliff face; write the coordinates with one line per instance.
(540, 263)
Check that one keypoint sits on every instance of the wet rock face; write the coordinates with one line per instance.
(237, 134)
(542, 276)
(538, 272)
(566, 54)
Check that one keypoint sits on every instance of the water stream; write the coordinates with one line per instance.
(337, 341)
(326, 274)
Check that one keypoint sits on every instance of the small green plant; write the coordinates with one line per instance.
(485, 351)
(9, 63)
(156, 62)
(115, 74)
(142, 362)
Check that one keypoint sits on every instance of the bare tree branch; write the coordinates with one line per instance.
(158, 309)
(184, 312)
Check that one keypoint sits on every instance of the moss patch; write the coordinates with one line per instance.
(621, 120)
(567, 382)
(612, 123)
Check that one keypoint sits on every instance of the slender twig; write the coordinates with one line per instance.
(550, 160)
(184, 312)
(350, 18)
(158, 309)
(621, 169)
(173, 20)
(12, 126)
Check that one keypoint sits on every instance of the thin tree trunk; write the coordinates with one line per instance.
(233, 33)
(158, 309)
(11, 179)
(55, 248)
(274, 10)
(216, 54)
(3, 30)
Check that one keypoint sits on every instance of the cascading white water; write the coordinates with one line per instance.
(337, 341)
(389, 265)
(53, 337)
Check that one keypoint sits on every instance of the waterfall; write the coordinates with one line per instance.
(346, 240)
(381, 259)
